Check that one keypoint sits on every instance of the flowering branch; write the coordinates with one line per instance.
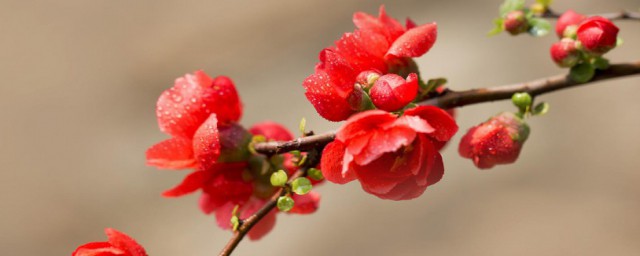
(245, 225)
(621, 15)
(451, 99)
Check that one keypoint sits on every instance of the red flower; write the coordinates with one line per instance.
(201, 114)
(565, 53)
(516, 22)
(497, 141)
(598, 35)
(392, 157)
(381, 45)
(391, 92)
(119, 244)
(568, 19)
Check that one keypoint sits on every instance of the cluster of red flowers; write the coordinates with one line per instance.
(583, 40)
(394, 155)
(201, 114)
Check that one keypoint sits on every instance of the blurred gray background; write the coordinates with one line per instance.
(79, 85)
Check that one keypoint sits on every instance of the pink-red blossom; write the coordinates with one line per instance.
(598, 35)
(516, 22)
(391, 92)
(379, 44)
(392, 157)
(118, 244)
(496, 141)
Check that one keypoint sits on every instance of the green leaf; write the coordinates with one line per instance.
(539, 27)
(285, 203)
(498, 27)
(600, 63)
(279, 178)
(582, 73)
(302, 126)
(301, 186)
(315, 174)
(511, 5)
(235, 221)
(540, 109)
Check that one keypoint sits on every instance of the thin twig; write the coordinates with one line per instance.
(621, 15)
(451, 99)
(248, 223)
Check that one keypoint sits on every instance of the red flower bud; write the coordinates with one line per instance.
(367, 78)
(568, 18)
(564, 53)
(598, 35)
(497, 141)
(391, 92)
(516, 22)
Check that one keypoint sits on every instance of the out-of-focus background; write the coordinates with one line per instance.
(77, 98)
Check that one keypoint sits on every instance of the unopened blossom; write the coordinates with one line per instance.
(516, 22)
(391, 92)
(118, 244)
(569, 19)
(565, 53)
(393, 157)
(496, 141)
(598, 35)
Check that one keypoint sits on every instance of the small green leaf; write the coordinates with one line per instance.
(315, 174)
(302, 126)
(539, 27)
(301, 186)
(285, 203)
(511, 5)
(540, 109)
(279, 178)
(497, 28)
(582, 73)
(235, 221)
(522, 100)
(600, 63)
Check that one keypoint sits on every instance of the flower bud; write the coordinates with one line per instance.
(598, 35)
(567, 22)
(496, 141)
(234, 142)
(367, 78)
(391, 92)
(565, 53)
(516, 22)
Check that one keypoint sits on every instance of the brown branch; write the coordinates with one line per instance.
(448, 99)
(451, 99)
(245, 225)
(621, 15)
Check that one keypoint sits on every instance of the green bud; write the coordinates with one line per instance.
(600, 63)
(522, 100)
(302, 126)
(582, 73)
(235, 222)
(301, 186)
(285, 203)
(540, 109)
(315, 174)
(279, 178)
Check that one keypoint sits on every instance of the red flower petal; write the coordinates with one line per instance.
(182, 109)
(191, 183)
(263, 226)
(415, 42)
(305, 204)
(439, 119)
(174, 153)
(325, 99)
(384, 141)
(362, 123)
(124, 242)
(363, 50)
(97, 249)
(223, 216)
(271, 131)
(331, 163)
(391, 92)
(568, 18)
(206, 143)
(228, 185)
(340, 72)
